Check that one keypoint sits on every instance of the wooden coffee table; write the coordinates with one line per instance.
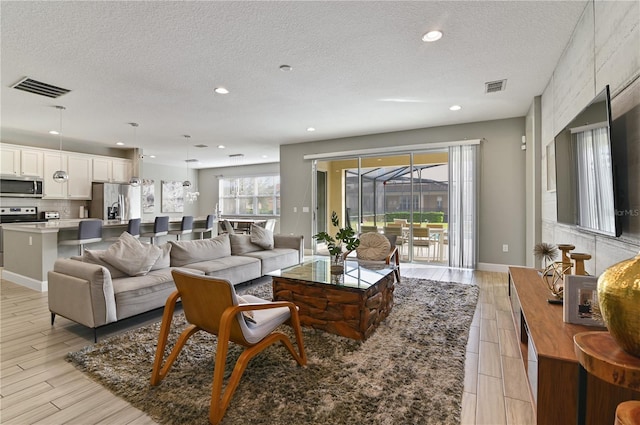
(350, 304)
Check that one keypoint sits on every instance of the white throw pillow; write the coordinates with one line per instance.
(132, 256)
(262, 237)
(164, 260)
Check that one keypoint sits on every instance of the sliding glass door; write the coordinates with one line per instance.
(407, 197)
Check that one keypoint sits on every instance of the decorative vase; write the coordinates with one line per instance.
(337, 265)
(619, 298)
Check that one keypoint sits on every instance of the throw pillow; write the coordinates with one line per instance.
(164, 260)
(95, 257)
(241, 244)
(261, 237)
(132, 256)
(373, 247)
(188, 252)
(248, 315)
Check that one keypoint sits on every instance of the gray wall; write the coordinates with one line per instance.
(502, 180)
(158, 173)
(604, 49)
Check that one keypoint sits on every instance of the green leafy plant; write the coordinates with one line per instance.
(344, 239)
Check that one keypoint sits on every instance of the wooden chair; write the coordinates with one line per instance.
(422, 239)
(367, 229)
(211, 305)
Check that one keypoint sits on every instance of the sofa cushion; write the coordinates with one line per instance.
(186, 252)
(241, 244)
(164, 260)
(131, 256)
(275, 259)
(261, 237)
(235, 268)
(95, 257)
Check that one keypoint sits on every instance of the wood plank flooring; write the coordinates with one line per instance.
(39, 387)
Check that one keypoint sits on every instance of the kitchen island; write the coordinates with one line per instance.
(30, 249)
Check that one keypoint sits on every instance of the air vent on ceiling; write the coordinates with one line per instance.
(38, 87)
(201, 146)
(236, 155)
(191, 160)
(495, 86)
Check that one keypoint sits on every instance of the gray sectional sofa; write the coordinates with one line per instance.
(130, 278)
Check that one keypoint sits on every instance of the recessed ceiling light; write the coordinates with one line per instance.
(120, 143)
(432, 36)
(311, 129)
(265, 156)
(221, 146)
(54, 132)
(221, 90)
(455, 107)
(285, 68)
(152, 156)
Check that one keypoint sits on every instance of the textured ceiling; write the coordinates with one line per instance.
(358, 68)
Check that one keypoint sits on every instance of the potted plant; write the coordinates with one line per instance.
(345, 240)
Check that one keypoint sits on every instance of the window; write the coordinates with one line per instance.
(258, 195)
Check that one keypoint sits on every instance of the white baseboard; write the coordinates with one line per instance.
(36, 285)
(489, 267)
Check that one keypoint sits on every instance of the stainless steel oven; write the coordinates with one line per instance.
(20, 187)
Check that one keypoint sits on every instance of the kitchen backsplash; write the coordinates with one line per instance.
(66, 208)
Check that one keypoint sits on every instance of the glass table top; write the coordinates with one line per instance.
(355, 274)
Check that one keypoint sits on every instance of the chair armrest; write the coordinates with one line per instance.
(393, 254)
(82, 292)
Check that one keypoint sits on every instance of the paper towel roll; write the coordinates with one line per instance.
(81, 212)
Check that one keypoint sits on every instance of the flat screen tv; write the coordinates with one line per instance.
(585, 186)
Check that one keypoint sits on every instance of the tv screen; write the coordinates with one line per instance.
(585, 187)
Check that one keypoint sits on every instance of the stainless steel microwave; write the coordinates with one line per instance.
(20, 187)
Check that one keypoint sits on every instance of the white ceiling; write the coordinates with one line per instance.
(358, 68)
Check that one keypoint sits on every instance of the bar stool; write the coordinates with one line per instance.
(133, 228)
(160, 228)
(89, 231)
(186, 227)
(208, 227)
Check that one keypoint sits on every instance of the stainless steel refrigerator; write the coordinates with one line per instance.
(112, 201)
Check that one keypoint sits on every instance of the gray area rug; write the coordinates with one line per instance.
(410, 371)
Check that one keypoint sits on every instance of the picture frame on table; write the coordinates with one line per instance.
(581, 300)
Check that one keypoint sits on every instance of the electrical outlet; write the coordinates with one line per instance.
(295, 209)
(505, 248)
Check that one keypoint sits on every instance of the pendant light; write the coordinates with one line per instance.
(187, 184)
(134, 180)
(60, 176)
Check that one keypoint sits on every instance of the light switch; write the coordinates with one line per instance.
(305, 209)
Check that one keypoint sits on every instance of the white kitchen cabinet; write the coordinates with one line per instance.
(121, 170)
(52, 162)
(111, 170)
(80, 174)
(10, 160)
(31, 163)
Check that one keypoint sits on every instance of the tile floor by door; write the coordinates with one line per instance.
(39, 387)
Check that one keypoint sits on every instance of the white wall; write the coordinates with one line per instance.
(604, 49)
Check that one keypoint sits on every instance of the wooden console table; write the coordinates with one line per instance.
(550, 361)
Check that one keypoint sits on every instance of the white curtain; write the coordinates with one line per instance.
(463, 206)
(595, 180)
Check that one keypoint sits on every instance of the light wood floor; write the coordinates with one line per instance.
(39, 387)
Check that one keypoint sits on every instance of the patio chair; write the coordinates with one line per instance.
(211, 305)
(375, 248)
